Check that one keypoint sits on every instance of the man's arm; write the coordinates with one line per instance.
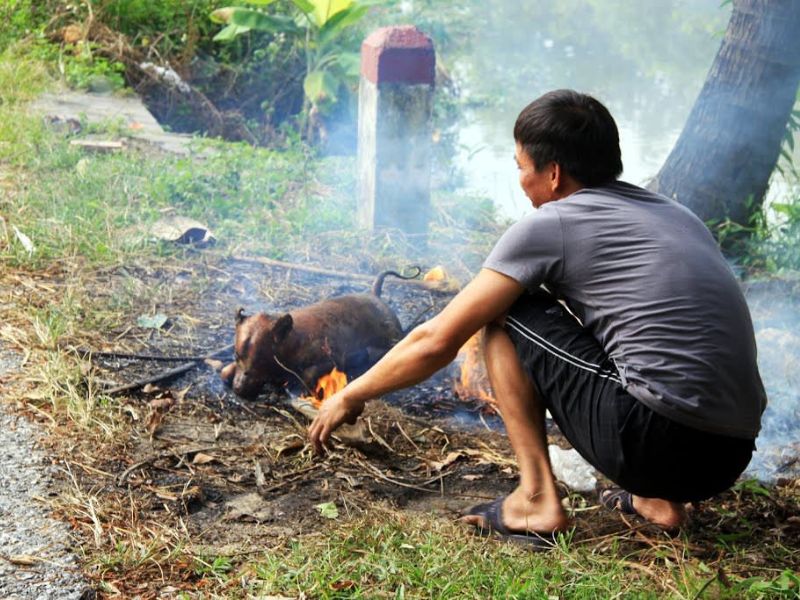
(422, 352)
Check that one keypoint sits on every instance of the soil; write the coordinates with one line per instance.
(233, 476)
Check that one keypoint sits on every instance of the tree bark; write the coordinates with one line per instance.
(721, 164)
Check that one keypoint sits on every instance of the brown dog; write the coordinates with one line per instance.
(346, 332)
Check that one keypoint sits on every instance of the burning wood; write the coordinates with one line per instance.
(474, 381)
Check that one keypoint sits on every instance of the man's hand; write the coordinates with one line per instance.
(334, 411)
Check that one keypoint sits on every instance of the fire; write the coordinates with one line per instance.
(474, 381)
(328, 385)
(438, 278)
(435, 274)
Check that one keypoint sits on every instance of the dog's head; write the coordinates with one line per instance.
(258, 340)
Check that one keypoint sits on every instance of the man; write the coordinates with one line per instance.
(651, 374)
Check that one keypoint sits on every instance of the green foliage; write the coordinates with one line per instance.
(321, 30)
(785, 585)
(170, 28)
(21, 79)
(20, 19)
(85, 70)
(218, 566)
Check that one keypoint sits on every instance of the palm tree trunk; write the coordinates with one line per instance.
(721, 164)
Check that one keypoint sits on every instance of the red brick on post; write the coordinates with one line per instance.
(395, 104)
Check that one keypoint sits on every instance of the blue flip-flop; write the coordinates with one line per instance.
(491, 513)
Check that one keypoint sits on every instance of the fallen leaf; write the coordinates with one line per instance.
(214, 363)
(181, 230)
(151, 388)
(448, 460)
(289, 444)
(345, 584)
(158, 410)
(24, 560)
(472, 477)
(328, 510)
(24, 240)
(162, 404)
(181, 394)
(203, 459)
(156, 321)
(132, 412)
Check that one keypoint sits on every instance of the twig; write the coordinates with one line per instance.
(300, 379)
(405, 435)
(168, 454)
(377, 472)
(289, 478)
(169, 374)
(380, 440)
(84, 352)
(428, 285)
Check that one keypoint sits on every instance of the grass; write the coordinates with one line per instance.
(87, 214)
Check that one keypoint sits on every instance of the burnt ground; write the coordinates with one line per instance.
(188, 463)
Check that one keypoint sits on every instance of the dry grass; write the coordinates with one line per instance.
(145, 537)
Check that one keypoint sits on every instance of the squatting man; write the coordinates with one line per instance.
(651, 372)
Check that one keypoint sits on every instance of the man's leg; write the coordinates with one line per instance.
(535, 505)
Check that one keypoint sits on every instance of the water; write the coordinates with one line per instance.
(646, 63)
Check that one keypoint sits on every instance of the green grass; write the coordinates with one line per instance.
(394, 555)
(282, 203)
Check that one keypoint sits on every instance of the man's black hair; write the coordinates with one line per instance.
(575, 131)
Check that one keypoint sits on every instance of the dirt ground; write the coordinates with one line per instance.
(232, 476)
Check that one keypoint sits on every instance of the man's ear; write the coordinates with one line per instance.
(556, 175)
(282, 328)
(240, 316)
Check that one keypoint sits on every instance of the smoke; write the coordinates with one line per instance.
(775, 308)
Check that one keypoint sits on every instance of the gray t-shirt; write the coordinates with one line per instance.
(645, 276)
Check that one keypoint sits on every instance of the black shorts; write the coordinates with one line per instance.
(638, 449)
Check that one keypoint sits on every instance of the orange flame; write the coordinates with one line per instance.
(474, 381)
(327, 386)
(435, 274)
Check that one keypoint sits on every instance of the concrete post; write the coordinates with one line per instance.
(395, 103)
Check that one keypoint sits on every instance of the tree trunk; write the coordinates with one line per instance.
(721, 163)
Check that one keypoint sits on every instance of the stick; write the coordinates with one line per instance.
(180, 369)
(84, 352)
(428, 285)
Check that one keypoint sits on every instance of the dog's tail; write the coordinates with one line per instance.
(377, 287)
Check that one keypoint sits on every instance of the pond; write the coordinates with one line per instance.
(645, 61)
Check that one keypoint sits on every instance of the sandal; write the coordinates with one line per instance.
(491, 513)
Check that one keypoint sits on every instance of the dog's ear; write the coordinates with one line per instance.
(240, 316)
(282, 328)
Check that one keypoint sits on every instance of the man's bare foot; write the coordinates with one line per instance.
(667, 515)
(528, 512)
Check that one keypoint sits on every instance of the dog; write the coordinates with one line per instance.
(347, 332)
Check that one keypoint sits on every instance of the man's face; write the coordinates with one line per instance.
(539, 185)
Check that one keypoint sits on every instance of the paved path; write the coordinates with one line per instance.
(28, 534)
(129, 111)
